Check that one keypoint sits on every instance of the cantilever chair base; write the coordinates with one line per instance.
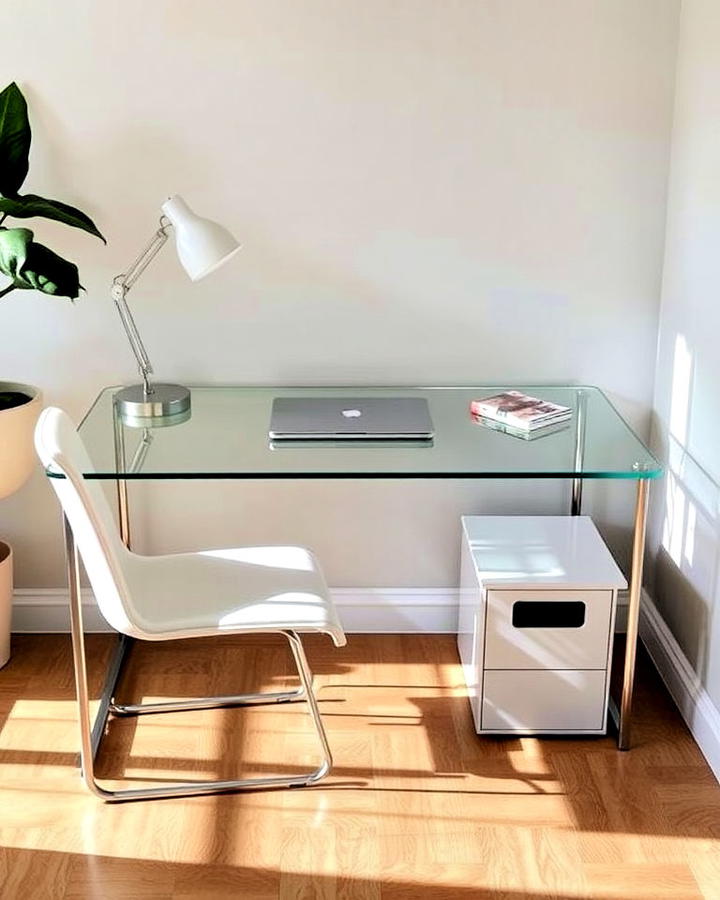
(189, 788)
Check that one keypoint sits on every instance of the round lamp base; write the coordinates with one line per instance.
(161, 401)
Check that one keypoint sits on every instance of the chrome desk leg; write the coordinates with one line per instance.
(124, 643)
(97, 729)
(121, 483)
(78, 645)
(90, 734)
(633, 618)
(577, 483)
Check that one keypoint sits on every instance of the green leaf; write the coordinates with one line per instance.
(28, 205)
(14, 140)
(33, 266)
(47, 272)
(14, 243)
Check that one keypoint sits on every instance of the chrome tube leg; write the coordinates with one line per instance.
(633, 617)
(306, 679)
(192, 788)
(79, 662)
(142, 709)
(577, 482)
(121, 483)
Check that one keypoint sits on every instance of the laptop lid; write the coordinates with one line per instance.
(338, 418)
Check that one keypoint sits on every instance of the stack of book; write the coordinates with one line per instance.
(520, 415)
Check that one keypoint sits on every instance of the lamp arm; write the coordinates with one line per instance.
(120, 289)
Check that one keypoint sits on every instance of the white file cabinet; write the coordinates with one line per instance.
(536, 621)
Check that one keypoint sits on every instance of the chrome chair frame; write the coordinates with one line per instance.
(189, 788)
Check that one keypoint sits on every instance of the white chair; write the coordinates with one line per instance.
(184, 595)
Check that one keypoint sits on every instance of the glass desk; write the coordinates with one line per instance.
(226, 437)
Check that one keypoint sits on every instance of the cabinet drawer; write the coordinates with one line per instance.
(547, 629)
(566, 700)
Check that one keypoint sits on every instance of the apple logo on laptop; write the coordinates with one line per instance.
(352, 413)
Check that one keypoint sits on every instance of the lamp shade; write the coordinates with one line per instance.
(202, 245)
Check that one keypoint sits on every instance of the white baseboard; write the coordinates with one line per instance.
(46, 611)
(362, 610)
(397, 610)
(697, 709)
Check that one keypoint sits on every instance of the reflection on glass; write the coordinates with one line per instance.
(121, 421)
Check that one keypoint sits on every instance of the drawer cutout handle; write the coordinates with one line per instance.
(548, 614)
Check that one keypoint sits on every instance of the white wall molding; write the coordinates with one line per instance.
(397, 610)
(697, 709)
(362, 610)
(46, 610)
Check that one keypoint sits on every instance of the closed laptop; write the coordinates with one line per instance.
(361, 418)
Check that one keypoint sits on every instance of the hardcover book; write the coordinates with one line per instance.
(520, 410)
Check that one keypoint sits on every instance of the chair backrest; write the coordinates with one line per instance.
(104, 555)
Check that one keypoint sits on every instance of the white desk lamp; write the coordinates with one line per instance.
(202, 246)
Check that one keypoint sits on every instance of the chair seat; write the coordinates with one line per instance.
(232, 590)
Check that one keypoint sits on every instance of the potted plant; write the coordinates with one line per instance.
(27, 265)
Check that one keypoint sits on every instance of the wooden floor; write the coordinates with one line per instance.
(417, 805)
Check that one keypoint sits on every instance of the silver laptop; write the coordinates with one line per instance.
(350, 418)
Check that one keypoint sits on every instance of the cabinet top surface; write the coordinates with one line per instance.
(536, 552)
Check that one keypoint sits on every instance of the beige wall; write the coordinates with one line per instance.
(685, 527)
(449, 192)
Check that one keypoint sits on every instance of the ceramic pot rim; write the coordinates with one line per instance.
(28, 389)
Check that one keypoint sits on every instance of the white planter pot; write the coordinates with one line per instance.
(17, 454)
(6, 582)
